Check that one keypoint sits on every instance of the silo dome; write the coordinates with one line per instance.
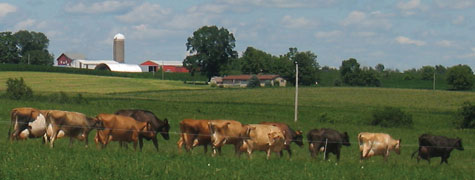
(119, 36)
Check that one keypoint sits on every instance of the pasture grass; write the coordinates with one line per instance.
(349, 109)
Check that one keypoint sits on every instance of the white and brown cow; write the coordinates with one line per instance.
(263, 137)
(372, 144)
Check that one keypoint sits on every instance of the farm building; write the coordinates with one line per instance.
(168, 66)
(242, 80)
(65, 59)
(118, 67)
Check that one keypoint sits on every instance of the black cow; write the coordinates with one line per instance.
(317, 138)
(158, 125)
(436, 146)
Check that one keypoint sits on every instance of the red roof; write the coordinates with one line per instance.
(247, 77)
(149, 63)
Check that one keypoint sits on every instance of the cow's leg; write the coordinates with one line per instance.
(289, 150)
(155, 142)
(268, 153)
(179, 144)
(311, 149)
(205, 148)
(71, 142)
(53, 136)
(140, 142)
(337, 151)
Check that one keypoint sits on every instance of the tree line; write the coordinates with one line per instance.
(212, 54)
(25, 47)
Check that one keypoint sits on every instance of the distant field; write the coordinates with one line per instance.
(74, 83)
(346, 109)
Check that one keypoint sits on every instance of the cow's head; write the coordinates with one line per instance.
(458, 144)
(274, 138)
(164, 129)
(397, 147)
(98, 123)
(217, 132)
(345, 139)
(298, 138)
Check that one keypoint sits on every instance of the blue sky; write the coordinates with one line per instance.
(399, 34)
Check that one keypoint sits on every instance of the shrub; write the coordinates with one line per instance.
(254, 82)
(323, 118)
(466, 117)
(17, 89)
(63, 98)
(391, 117)
(337, 82)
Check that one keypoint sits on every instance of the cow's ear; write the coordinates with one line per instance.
(166, 120)
(399, 141)
(227, 124)
(346, 134)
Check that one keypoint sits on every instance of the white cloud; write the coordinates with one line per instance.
(372, 20)
(291, 22)
(208, 8)
(98, 7)
(143, 31)
(445, 43)
(469, 55)
(25, 24)
(455, 4)
(282, 3)
(411, 4)
(406, 40)
(6, 8)
(354, 17)
(146, 12)
(329, 34)
(458, 20)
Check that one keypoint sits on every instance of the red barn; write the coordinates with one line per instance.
(168, 66)
(66, 59)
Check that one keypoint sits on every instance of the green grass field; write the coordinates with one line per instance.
(346, 109)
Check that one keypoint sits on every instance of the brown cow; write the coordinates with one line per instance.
(226, 132)
(372, 144)
(121, 128)
(263, 137)
(194, 133)
(289, 134)
(73, 124)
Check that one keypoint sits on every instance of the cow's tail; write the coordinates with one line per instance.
(414, 153)
(12, 122)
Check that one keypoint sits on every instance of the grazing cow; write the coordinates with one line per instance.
(20, 118)
(318, 139)
(263, 137)
(372, 144)
(226, 132)
(121, 128)
(290, 135)
(437, 146)
(37, 128)
(73, 124)
(158, 125)
(194, 133)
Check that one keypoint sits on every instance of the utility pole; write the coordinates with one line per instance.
(28, 58)
(433, 84)
(296, 89)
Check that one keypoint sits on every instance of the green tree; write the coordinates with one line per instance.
(439, 69)
(8, 49)
(308, 66)
(211, 49)
(255, 61)
(349, 71)
(37, 57)
(379, 67)
(427, 72)
(460, 77)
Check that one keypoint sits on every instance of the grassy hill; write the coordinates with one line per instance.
(342, 108)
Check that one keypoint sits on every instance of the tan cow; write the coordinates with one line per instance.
(372, 144)
(194, 133)
(262, 137)
(73, 124)
(121, 128)
(36, 126)
(226, 132)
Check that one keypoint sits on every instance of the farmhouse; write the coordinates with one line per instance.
(242, 80)
(167, 66)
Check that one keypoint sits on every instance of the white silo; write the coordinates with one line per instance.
(119, 48)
